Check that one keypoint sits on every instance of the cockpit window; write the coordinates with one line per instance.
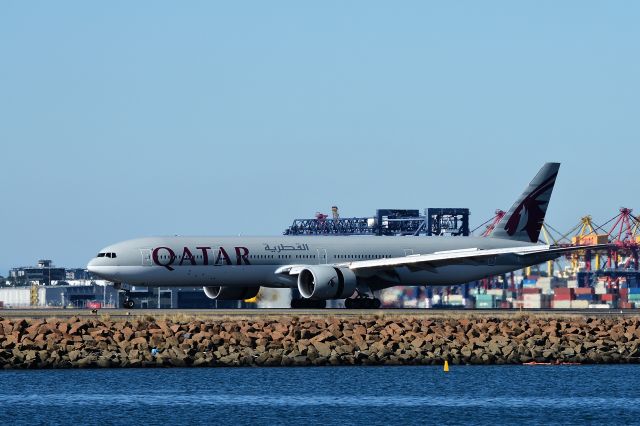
(113, 255)
(110, 255)
(101, 254)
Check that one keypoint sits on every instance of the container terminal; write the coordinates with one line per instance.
(602, 280)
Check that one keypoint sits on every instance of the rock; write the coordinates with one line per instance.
(77, 328)
(323, 349)
(138, 341)
(303, 341)
(417, 342)
(104, 362)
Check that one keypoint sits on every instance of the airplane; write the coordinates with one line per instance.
(322, 268)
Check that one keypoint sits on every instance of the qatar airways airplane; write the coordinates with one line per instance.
(335, 267)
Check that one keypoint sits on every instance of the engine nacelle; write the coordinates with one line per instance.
(326, 282)
(231, 293)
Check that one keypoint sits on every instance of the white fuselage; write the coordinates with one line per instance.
(253, 261)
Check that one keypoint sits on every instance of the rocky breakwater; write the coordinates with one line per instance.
(148, 342)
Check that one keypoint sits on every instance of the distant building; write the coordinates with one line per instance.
(78, 274)
(42, 274)
(45, 273)
(69, 296)
(47, 285)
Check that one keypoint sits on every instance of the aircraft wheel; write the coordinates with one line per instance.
(129, 304)
(362, 303)
(319, 304)
(308, 304)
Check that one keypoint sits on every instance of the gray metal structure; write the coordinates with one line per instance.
(387, 222)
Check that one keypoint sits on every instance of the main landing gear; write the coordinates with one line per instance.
(128, 303)
(362, 301)
(308, 304)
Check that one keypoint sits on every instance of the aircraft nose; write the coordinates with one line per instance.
(91, 266)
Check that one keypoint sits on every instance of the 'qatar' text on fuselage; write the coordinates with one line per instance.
(166, 256)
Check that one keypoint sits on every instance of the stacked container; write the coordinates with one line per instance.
(634, 296)
(454, 300)
(583, 297)
(623, 301)
(562, 297)
(535, 301)
(497, 292)
(610, 299)
(485, 301)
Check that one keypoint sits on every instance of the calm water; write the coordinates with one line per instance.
(329, 395)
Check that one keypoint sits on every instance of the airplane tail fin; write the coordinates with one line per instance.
(524, 219)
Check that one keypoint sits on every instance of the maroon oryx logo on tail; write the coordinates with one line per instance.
(529, 214)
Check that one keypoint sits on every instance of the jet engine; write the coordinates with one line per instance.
(326, 282)
(231, 293)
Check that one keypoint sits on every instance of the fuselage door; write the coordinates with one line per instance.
(408, 252)
(146, 257)
(322, 256)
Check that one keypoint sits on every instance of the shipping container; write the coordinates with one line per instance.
(485, 301)
(562, 297)
(599, 306)
(584, 297)
(580, 304)
(535, 301)
(561, 304)
(563, 293)
(497, 292)
(590, 239)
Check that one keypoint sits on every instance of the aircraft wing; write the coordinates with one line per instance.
(451, 257)
(465, 256)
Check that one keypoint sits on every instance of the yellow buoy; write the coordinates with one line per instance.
(446, 366)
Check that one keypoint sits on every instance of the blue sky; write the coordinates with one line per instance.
(127, 119)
